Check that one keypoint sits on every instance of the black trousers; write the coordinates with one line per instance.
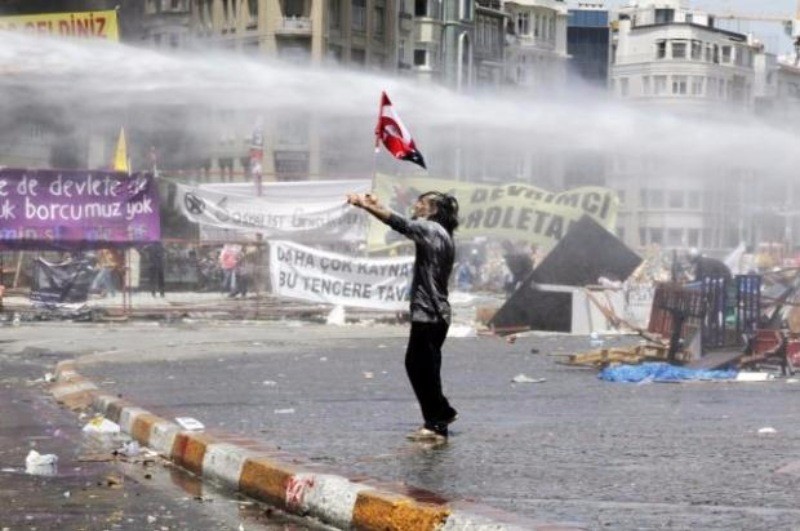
(423, 365)
(156, 280)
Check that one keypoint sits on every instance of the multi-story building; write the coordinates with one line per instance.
(668, 56)
(536, 51)
(589, 45)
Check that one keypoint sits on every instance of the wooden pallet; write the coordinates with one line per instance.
(629, 356)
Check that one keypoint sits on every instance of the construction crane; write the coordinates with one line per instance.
(790, 25)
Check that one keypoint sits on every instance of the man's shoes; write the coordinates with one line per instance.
(425, 435)
(453, 418)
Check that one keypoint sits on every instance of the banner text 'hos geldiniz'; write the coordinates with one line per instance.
(77, 207)
(517, 212)
(300, 272)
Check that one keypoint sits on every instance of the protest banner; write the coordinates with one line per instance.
(311, 211)
(517, 212)
(89, 24)
(55, 209)
(64, 283)
(301, 272)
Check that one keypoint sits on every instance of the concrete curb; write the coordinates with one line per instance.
(271, 476)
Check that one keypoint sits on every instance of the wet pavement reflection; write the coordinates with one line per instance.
(89, 487)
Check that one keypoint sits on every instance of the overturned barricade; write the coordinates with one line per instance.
(554, 296)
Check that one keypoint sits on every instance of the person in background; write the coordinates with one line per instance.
(156, 260)
(705, 267)
(228, 261)
(107, 265)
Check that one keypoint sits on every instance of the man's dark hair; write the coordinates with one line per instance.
(446, 213)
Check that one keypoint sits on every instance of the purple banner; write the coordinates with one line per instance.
(69, 208)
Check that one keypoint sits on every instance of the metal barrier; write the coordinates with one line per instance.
(723, 311)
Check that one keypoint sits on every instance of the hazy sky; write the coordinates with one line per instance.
(771, 34)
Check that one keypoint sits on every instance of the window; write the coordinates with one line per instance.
(421, 8)
(722, 89)
(693, 239)
(709, 53)
(661, 49)
(697, 50)
(726, 55)
(676, 199)
(378, 21)
(657, 236)
(716, 54)
(689, 18)
(679, 84)
(712, 87)
(694, 200)
(466, 9)
(660, 85)
(646, 85)
(535, 25)
(656, 199)
(420, 57)
(359, 15)
(665, 16)
(624, 87)
(523, 24)
(674, 237)
(252, 8)
(358, 56)
(697, 85)
(679, 49)
(334, 15)
(643, 199)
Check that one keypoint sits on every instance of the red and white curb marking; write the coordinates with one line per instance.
(271, 476)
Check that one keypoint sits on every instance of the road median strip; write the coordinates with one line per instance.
(277, 479)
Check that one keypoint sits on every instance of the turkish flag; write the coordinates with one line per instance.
(394, 135)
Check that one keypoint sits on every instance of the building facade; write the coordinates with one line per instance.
(536, 45)
(589, 45)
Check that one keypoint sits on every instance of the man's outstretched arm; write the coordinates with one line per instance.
(371, 204)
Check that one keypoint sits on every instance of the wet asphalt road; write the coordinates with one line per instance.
(609, 456)
(88, 489)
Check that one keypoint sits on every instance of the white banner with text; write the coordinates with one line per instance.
(300, 272)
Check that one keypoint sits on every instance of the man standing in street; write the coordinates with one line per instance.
(435, 217)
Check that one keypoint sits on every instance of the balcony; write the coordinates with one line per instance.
(294, 26)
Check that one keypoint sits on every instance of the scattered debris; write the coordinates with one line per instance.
(661, 372)
(287, 411)
(461, 331)
(323, 359)
(522, 378)
(630, 355)
(190, 424)
(336, 317)
(37, 464)
(100, 424)
(269, 383)
(369, 375)
(744, 376)
(129, 449)
(767, 431)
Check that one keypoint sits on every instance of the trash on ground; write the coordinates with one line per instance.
(100, 424)
(129, 449)
(745, 376)
(461, 331)
(630, 355)
(269, 383)
(37, 464)
(767, 431)
(369, 375)
(190, 424)
(522, 378)
(49, 377)
(336, 317)
(287, 411)
(323, 358)
(792, 380)
(661, 372)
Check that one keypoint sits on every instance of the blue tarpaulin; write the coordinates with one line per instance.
(660, 372)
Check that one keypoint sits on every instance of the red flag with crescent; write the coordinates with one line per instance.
(393, 134)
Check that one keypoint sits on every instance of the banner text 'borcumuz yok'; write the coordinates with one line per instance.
(53, 208)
